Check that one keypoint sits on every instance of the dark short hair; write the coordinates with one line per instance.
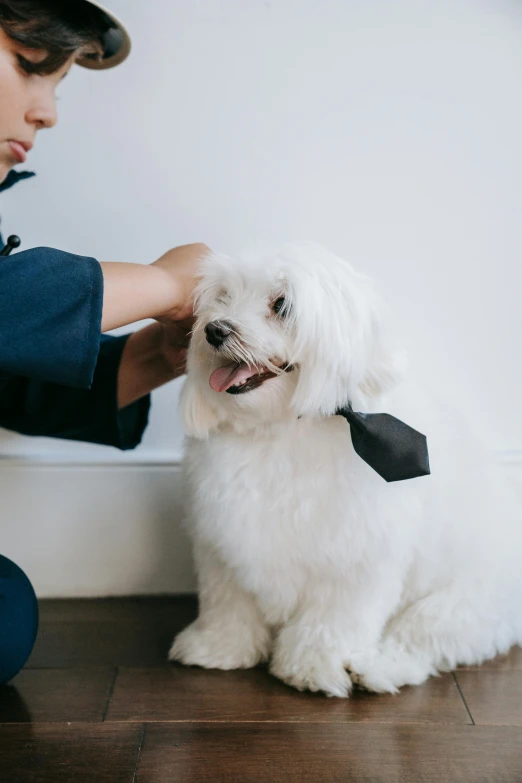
(60, 27)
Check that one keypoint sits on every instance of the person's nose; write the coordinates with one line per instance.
(43, 113)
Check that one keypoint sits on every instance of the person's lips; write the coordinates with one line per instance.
(20, 149)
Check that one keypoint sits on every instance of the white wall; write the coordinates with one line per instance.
(389, 131)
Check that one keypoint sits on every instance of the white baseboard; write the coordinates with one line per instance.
(94, 457)
(96, 530)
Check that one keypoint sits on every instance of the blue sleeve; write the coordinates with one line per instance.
(33, 407)
(50, 316)
(58, 376)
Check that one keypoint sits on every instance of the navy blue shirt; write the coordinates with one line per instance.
(58, 374)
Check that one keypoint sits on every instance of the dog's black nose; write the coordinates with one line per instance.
(217, 332)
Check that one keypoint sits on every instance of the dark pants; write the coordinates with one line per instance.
(18, 619)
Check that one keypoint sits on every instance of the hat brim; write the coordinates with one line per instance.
(117, 43)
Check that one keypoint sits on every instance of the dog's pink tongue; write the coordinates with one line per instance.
(232, 373)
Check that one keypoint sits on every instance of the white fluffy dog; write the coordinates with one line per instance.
(306, 556)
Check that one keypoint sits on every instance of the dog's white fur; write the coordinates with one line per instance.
(305, 556)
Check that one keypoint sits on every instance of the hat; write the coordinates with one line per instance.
(116, 42)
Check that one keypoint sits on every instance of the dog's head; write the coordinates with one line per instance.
(297, 333)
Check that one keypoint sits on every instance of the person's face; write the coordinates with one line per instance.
(27, 101)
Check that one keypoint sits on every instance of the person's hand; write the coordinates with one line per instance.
(151, 357)
(181, 265)
(174, 340)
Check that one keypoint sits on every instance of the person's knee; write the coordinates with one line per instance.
(18, 619)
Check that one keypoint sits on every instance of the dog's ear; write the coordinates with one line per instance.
(386, 365)
(344, 349)
(382, 362)
(198, 415)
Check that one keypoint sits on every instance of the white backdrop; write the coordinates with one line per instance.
(389, 131)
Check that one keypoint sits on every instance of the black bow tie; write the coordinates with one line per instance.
(392, 448)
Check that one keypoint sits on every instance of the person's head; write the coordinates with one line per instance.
(39, 42)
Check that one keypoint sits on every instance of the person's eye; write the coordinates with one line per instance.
(31, 66)
(279, 306)
(26, 65)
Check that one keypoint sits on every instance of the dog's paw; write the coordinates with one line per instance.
(221, 647)
(390, 668)
(376, 679)
(314, 670)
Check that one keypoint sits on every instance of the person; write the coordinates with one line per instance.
(60, 375)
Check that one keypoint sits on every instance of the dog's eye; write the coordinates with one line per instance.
(223, 297)
(279, 306)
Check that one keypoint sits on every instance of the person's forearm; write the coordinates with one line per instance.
(162, 290)
(144, 366)
(132, 292)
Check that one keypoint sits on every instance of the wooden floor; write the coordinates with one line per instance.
(98, 703)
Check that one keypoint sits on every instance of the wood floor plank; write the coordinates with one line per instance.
(130, 609)
(109, 632)
(177, 693)
(494, 697)
(294, 753)
(510, 662)
(67, 753)
(235, 727)
(69, 645)
(56, 695)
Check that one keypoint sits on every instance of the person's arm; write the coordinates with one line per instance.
(54, 305)
(56, 379)
(162, 290)
(114, 411)
(152, 357)
(52, 410)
